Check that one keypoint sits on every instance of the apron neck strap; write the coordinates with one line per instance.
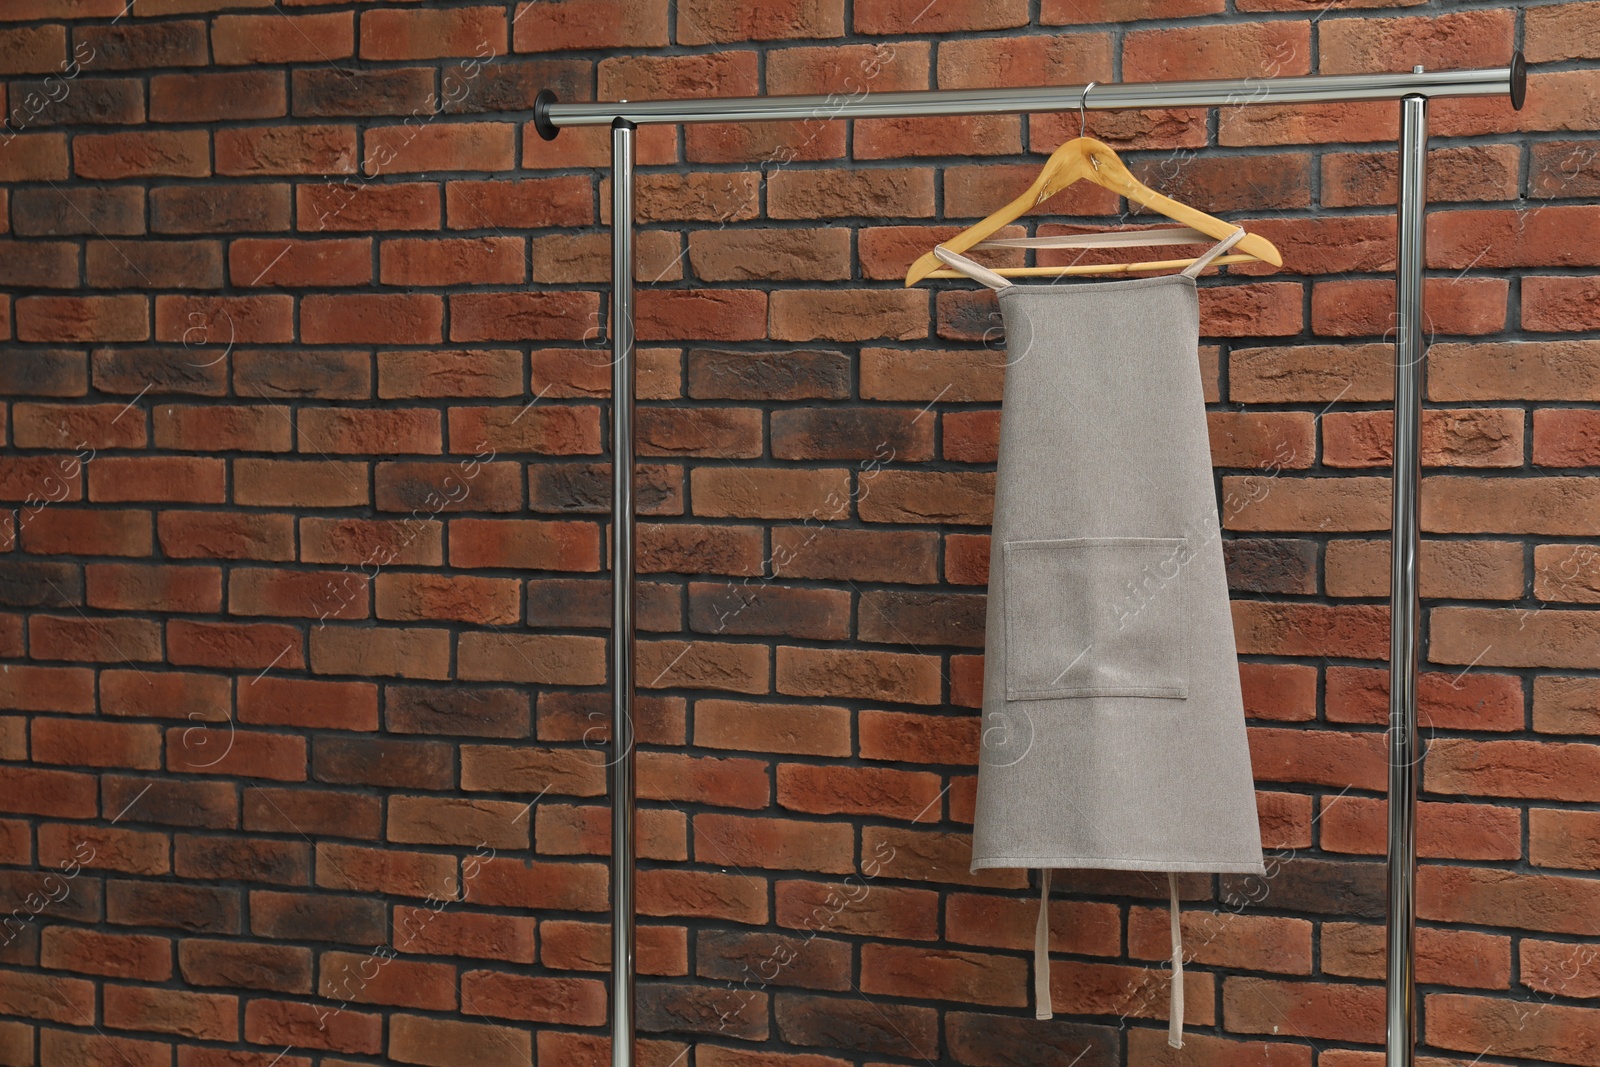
(976, 271)
(1193, 270)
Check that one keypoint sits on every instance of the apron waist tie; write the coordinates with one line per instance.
(1041, 950)
(1175, 1013)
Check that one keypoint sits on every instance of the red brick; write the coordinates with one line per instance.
(730, 72)
(524, 204)
(74, 531)
(283, 38)
(225, 535)
(1286, 124)
(1552, 1032)
(428, 489)
(326, 812)
(415, 1039)
(24, 687)
(889, 792)
(1504, 898)
(33, 49)
(848, 68)
(348, 977)
(1320, 757)
(1063, 12)
(142, 956)
(1360, 631)
(368, 652)
(1236, 50)
(177, 479)
(452, 821)
(104, 640)
(206, 1016)
(408, 149)
(56, 794)
(1559, 304)
(371, 542)
(40, 264)
(87, 427)
(372, 318)
(430, 34)
(271, 701)
(153, 154)
(436, 597)
(297, 594)
(323, 374)
(772, 844)
(1513, 638)
(236, 753)
(335, 431)
(524, 544)
(221, 320)
(213, 208)
(352, 204)
(454, 373)
(534, 316)
(1566, 437)
(215, 428)
(1558, 968)
(168, 695)
(46, 997)
(235, 646)
(481, 936)
(286, 150)
(83, 318)
(1316, 1010)
(314, 1026)
(39, 157)
(459, 261)
(153, 587)
(967, 135)
(283, 968)
(299, 483)
(537, 998)
(912, 17)
(588, 24)
(250, 94)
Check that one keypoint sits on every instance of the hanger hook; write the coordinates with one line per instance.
(1083, 117)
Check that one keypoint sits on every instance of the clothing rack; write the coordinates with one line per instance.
(1413, 89)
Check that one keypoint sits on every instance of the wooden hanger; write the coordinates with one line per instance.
(1086, 158)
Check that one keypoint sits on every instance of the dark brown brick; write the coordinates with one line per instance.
(132, 45)
(255, 208)
(322, 91)
(107, 211)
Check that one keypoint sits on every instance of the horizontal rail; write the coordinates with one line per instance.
(550, 115)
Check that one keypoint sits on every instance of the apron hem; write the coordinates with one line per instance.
(1122, 864)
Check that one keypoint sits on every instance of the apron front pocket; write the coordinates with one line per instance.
(1097, 617)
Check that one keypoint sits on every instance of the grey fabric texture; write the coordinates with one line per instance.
(1113, 732)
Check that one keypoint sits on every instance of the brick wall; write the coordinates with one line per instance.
(305, 465)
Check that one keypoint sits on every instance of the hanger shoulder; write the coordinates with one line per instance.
(1118, 177)
(1066, 165)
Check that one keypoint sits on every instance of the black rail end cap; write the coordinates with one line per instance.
(541, 115)
(1519, 80)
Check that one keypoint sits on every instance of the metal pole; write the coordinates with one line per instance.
(549, 115)
(1404, 607)
(623, 798)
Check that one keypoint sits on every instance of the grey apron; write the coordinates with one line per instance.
(1113, 728)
